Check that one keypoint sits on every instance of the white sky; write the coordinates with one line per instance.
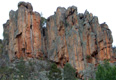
(104, 9)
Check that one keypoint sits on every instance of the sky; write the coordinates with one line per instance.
(104, 9)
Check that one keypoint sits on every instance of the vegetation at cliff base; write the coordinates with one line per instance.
(19, 72)
(55, 73)
(69, 72)
(23, 71)
(106, 72)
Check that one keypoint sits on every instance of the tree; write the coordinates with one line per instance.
(106, 72)
(43, 20)
(19, 72)
(23, 71)
(55, 73)
(69, 72)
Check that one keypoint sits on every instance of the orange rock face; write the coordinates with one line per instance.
(77, 38)
(68, 37)
(25, 37)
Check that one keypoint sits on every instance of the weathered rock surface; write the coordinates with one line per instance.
(23, 31)
(68, 37)
(77, 38)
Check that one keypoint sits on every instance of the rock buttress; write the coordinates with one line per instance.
(77, 38)
(24, 32)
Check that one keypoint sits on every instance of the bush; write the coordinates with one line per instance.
(69, 72)
(88, 57)
(19, 72)
(23, 71)
(106, 72)
(4, 73)
(55, 73)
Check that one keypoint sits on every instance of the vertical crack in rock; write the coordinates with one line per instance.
(31, 38)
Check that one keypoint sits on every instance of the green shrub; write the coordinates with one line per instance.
(6, 73)
(88, 57)
(69, 72)
(23, 71)
(55, 73)
(19, 72)
(106, 72)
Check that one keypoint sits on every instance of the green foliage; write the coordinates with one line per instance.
(69, 72)
(88, 57)
(6, 73)
(23, 71)
(43, 21)
(106, 72)
(55, 73)
(20, 72)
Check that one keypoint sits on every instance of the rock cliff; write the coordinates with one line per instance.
(23, 31)
(77, 38)
(69, 36)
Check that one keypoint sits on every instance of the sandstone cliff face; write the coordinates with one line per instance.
(24, 32)
(77, 38)
(68, 37)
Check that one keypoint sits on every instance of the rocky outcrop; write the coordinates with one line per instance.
(77, 38)
(68, 37)
(24, 32)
